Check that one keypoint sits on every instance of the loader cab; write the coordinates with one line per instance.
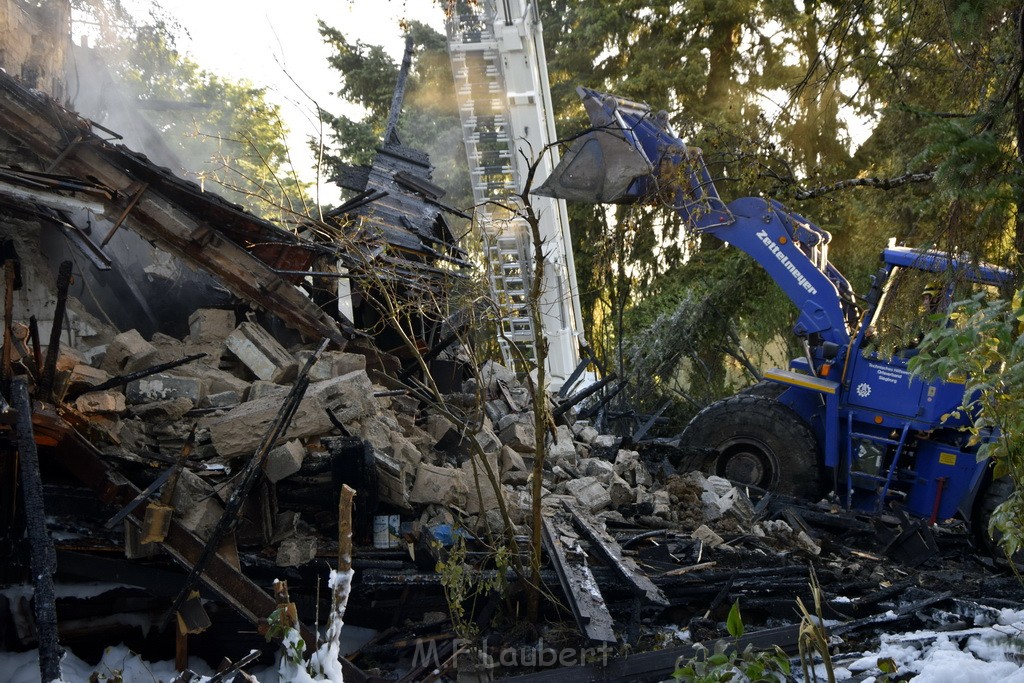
(911, 292)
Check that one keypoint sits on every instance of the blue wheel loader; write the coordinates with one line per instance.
(847, 415)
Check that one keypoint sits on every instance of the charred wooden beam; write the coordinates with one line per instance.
(42, 557)
(606, 547)
(580, 588)
(50, 368)
(575, 399)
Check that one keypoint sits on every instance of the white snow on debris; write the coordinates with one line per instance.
(975, 655)
(23, 667)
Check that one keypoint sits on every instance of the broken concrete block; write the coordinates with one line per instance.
(603, 470)
(240, 430)
(704, 534)
(562, 451)
(223, 399)
(620, 492)
(332, 364)
(662, 504)
(585, 433)
(195, 504)
(480, 493)
(128, 352)
(101, 402)
(286, 524)
(296, 551)
(393, 481)
(87, 375)
(630, 467)
(405, 450)
(511, 460)
(496, 409)
(217, 380)
(68, 357)
(284, 461)
(518, 431)
(438, 426)
(261, 353)
(166, 411)
(489, 442)
(441, 485)
(164, 387)
(262, 389)
(492, 373)
(590, 493)
(210, 325)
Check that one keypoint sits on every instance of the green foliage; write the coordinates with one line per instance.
(984, 348)
(728, 663)
(226, 134)
(464, 583)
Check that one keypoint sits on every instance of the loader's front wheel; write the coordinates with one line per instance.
(995, 493)
(758, 442)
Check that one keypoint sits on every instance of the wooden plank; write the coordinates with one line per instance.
(609, 549)
(580, 588)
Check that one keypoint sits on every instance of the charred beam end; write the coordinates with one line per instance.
(63, 282)
(43, 559)
(580, 396)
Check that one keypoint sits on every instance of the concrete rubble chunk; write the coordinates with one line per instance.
(262, 389)
(511, 460)
(585, 433)
(603, 470)
(261, 353)
(518, 431)
(165, 387)
(210, 325)
(332, 364)
(88, 375)
(196, 505)
(489, 442)
(240, 430)
(284, 460)
(223, 399)
(170, 410)
(708, 537)
(590, 493)
(492, 374)
(620, 492)
(101, 402)
(128, 352)
(217, 380)
(480, 494)
(562, 451)
(441, 485)
(296, 551)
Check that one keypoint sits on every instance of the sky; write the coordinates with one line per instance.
(276, 44)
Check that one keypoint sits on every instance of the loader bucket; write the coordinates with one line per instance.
(630, 155)
(599, 168)
(602, 165)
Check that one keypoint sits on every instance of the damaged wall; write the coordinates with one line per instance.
(35, 44)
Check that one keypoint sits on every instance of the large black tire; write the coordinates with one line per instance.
(993, 494)
(758, 442)
(765, 388)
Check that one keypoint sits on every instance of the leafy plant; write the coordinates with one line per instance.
(728, 663)
(984, 348)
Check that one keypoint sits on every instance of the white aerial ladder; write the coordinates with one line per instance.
(501, 79)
